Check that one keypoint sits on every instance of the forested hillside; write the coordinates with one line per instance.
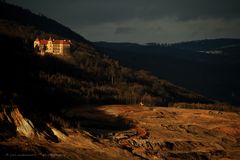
(209, 67)
(85, 76)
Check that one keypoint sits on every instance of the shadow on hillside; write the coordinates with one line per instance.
(20, 84)
(20, 72)
(97, 122)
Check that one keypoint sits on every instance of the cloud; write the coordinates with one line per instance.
(167, 29)
(143, 20)
(124, 30)
(87, 12)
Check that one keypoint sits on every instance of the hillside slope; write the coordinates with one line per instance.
(84, 75)
(45, 86)
(193, 65)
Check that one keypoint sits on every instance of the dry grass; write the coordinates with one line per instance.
(218, 107)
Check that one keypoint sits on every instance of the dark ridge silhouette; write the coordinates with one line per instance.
(33, 21)
(208, 44)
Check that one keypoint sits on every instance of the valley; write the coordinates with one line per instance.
(187, 64)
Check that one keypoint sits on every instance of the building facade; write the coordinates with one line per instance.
(52, 46)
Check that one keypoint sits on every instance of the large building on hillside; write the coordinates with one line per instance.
(52, 46)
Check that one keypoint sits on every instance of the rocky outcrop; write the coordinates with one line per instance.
(24, 126)
(14, 123)
(137, 142)
(13, 120)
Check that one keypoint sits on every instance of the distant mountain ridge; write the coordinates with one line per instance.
(207, 44)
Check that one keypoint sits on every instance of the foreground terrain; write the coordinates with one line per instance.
(134, 132)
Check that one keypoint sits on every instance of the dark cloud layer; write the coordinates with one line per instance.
(124, 30)
(111, 17)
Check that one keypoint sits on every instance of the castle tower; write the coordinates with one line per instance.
(36, 42)
(50, 45)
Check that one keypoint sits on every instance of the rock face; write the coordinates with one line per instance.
(24, 127)
(11, 116)
(15, 124)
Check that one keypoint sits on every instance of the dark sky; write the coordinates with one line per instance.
(143, 20)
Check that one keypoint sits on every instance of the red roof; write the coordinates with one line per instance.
(61, 42)
(43, 41)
